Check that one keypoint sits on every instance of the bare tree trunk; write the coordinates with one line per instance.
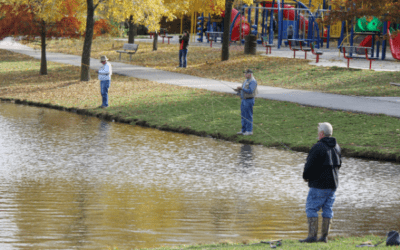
(43, 60)
(131, 32)
(155, 40)
(87, 45)
(226, 36)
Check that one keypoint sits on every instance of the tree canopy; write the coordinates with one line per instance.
(347, 10)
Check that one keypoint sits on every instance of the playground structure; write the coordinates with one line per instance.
(374, 30)
(371, 28)
(259, 20)
(306, 20)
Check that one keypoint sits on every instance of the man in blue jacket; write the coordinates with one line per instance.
(247, 93)
(321, 171)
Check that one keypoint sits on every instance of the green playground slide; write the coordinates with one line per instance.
(363, 25)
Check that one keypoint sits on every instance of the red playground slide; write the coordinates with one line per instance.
(367, 42)
(394, 44)
(236, 26)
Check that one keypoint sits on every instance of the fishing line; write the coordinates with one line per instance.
(224, 84)
(255, 125)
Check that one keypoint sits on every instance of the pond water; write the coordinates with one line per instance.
(69, 181)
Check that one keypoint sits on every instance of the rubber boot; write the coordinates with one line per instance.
(312, 230)
(326, 225)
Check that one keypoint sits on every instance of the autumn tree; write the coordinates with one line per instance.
(150, 12)
(348, 10)
(226, 36)
(44, 18)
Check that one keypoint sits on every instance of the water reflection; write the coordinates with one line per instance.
(246, 157)
(70, 181)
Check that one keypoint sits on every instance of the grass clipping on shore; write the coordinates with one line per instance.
(278, 124)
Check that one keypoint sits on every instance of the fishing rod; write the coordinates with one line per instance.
(225, 84)
(255, 125)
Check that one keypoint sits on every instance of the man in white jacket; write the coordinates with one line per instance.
(105, 73)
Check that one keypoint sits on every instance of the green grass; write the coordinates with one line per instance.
(270, 71)
(195, 111)
(337, 243)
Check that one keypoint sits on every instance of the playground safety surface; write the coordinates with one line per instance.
(371, 105)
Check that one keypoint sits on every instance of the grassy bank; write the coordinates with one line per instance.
(338, 243)
(200, 112)
(271, 71)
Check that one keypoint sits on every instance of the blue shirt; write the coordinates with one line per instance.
(251, 89)
(105, 72)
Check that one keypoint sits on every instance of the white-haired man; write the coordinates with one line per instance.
(247, 93)
(321, 171)
(105, 73)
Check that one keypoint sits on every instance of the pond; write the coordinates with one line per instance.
(71, 181)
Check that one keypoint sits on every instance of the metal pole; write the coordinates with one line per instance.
(271, 22)
(280, 23)
(263, 22)
(256, 19)
(385, 27)
(352, 36)
(328, 37)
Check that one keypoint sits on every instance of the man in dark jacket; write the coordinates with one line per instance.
(183, 49)
(321, 171)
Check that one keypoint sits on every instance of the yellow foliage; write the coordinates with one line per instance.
(145, 12)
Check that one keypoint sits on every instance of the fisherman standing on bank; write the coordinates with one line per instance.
(321, 171)
(247, 93)
(105, 73)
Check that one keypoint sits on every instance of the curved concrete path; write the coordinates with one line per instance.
(371, 105)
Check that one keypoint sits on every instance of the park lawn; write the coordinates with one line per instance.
(194, 111)
(337, 243)
(204, 61)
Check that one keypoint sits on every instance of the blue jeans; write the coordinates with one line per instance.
(246, 108)
(320, 198)
(183, 57)
(104, 85)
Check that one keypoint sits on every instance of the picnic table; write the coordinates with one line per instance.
(266, 44)
(316, 52)
(293, 47)
(166, 36)
(304, 49)
(349, 51)
(213, 36)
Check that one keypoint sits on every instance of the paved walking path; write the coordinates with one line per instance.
(373, 105)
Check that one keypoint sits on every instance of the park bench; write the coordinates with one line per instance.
(350, 50)
(128, 48)
(267, 45)
(292, 47)
(316, 52)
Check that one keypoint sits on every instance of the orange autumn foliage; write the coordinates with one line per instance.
(21, 21)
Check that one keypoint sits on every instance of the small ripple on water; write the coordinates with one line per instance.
(70, 181)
